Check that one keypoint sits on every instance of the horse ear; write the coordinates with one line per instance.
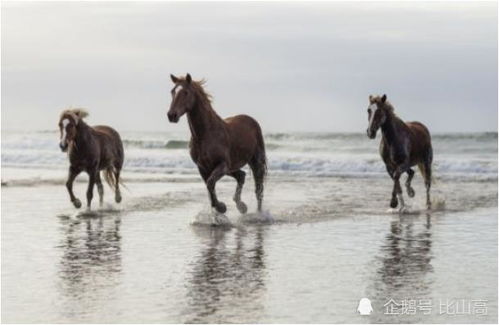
(370, 98)
(383, 99)
(174, 79)
(188, 78)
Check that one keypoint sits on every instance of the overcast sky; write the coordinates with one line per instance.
(292, 66)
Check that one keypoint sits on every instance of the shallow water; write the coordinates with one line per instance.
(157, 258)
(325, 240)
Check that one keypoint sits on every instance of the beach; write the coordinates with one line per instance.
(325, 239)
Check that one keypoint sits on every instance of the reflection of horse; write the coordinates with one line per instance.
(227, 276)
(406, 258)
(91, 256)
(404, 273)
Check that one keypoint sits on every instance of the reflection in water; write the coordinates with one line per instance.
(227, 277)
(407, 255)
(91, 261)
(405, 261)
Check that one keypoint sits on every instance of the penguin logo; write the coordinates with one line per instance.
(365, 307)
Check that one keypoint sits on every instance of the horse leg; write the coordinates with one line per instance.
(215, 175)
(397, 193)
(397, 189)
(117, 193)
(393, 202)
(90, 190)
(239, 175)
(73, 172)
(100, 188)
(410, 190)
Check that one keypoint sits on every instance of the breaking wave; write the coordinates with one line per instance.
(310, 154)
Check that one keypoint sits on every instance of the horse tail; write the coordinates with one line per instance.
(110, 178)
(422, 170)
(261, 154)
(258, 164)
(430, 162)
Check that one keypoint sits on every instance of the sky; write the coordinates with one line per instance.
(293, 66)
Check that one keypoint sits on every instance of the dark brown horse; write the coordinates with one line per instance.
(91, 149)
(403, 146)
(219, 146)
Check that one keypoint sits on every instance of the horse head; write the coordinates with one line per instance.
(183, 97)
(376, 112)
(68, 123)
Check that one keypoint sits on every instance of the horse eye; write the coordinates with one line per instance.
(369, 110)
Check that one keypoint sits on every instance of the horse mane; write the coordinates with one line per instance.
(76, 113)
(390, 110)
(204, 97)
(386, 105)
(389, 107)
(80, 112)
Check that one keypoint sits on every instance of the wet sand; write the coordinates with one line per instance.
(321, 246)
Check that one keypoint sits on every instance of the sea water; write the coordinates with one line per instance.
(324, 241)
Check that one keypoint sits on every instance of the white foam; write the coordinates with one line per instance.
(308, 155)
(257, 217)
(211, 218)
(437, 204)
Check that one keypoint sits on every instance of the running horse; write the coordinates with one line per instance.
(403, 145)
(219, 146)
(91, 149)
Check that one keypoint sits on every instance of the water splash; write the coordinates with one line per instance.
(438, 204)
(263, 217)
(211, 218)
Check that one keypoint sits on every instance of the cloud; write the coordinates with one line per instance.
(293, 66)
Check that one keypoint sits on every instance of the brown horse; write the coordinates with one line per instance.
(91, 149)
(403, 145)
(219, 146)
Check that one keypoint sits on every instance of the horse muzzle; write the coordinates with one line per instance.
(173, 118)
(371, 134)
(63, 146)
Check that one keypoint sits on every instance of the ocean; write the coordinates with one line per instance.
(305, 154)
(325, 240)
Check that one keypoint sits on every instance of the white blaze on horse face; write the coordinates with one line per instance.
(65, 123)
(177, 90)
(373, 107)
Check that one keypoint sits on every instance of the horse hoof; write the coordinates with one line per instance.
(410, 192)
(118, 198)
(393, 203)
(77, 203)
(241, 206)
(220, 207)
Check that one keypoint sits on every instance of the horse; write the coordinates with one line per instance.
(403, 145)
(90, 149)
(219, 146)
